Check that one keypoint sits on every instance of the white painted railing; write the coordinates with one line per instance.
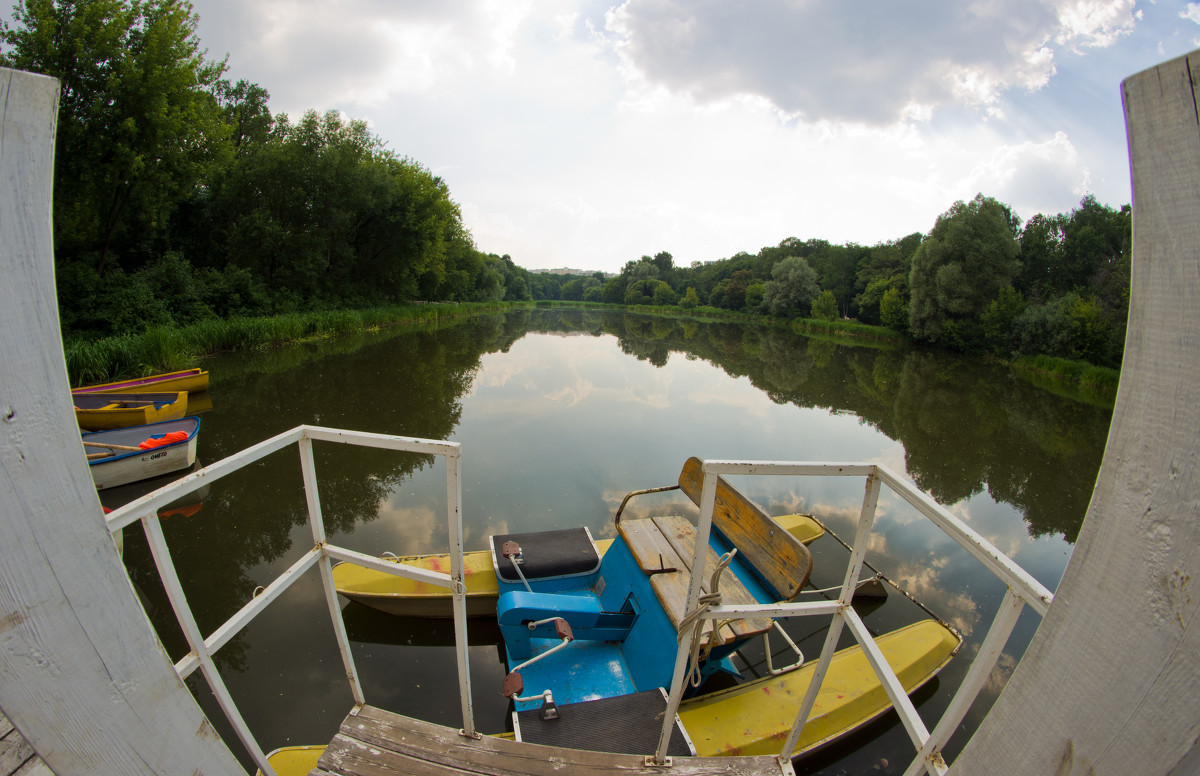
(321, 557)
(1023, 590)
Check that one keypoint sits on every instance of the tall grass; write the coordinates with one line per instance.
(165, 349)
(1075, 379)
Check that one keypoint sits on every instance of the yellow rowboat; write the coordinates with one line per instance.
(755, 717)
(410, 598)
(188, 380)
(294, 760)
(103, 411)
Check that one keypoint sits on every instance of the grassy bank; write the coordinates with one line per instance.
(164, 349)
(1078, 380)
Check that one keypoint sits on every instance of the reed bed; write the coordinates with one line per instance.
(1076, 379)
(167, 348)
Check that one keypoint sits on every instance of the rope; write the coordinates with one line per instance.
(695, 620)
(881, 576)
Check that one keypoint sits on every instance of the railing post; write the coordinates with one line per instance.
(866, 521)
(814, 686)
(977, 675)
(708, 499)
(459, 590)
(195, 639)
(316, 522)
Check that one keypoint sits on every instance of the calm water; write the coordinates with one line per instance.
(561, 413)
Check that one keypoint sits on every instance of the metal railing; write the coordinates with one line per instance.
(321, 557)
(1023, 589)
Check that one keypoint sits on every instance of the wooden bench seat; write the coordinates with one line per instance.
(780, 559)
(669, 542)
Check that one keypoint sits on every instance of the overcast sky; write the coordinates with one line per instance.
(589, 133)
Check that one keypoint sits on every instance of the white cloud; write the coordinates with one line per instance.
(837, 62)
(590, 133)
(1033, 177)
(1095, 23)
(1192, 12)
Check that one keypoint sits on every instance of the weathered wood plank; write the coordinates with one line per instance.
(669, 542)
(15, 751)
(780, 558)
(1108, 683)
(35, 767)
(84, 677)
(682, 537)
(378, 743)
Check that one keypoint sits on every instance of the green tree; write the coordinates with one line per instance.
(970, 254)
(664, 295)
(893, 310)
(792, 287)
(690, 299)
(614, 290)
(755, 295)
(999, 321)
(825, 308)
(138, 123)
(572, 290)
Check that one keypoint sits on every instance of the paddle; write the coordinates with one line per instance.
(110, 445)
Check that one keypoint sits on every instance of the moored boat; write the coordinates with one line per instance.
(413, 598)
(189, 380)
(125, 455)
(103, 411)
(584, 632)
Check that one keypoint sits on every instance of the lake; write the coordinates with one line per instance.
(562, 412)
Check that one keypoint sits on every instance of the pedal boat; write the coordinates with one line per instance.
(411, 598)
(591, 639)
(590, 632)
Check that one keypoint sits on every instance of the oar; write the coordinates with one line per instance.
(109, 454)
(114, 447)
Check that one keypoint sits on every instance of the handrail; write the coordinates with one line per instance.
(320, 557)
(1023, 590)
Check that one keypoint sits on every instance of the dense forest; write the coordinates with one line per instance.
(179, 198)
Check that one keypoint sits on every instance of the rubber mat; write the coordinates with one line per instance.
(626, 724)
(548, 554)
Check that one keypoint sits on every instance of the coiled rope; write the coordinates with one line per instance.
(695, 620)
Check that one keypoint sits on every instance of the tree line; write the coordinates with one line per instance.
(180, 197)
(979, 281)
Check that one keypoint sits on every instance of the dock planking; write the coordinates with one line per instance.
(374, 742)
(17, 757)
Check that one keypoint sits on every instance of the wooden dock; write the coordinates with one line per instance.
(373, 742)
(17, 757)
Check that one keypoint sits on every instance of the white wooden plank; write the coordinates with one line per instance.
(85, 678)
(1108, 684)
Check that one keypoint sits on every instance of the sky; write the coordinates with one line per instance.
(589, 133)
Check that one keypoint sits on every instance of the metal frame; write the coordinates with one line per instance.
(1023, 590)
(320, 556)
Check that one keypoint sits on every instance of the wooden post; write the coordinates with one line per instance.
(82, 673)
(1109, 682)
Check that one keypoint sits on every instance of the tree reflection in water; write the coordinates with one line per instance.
(555, 430)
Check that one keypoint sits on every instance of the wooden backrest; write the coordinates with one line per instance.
(778, 557)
